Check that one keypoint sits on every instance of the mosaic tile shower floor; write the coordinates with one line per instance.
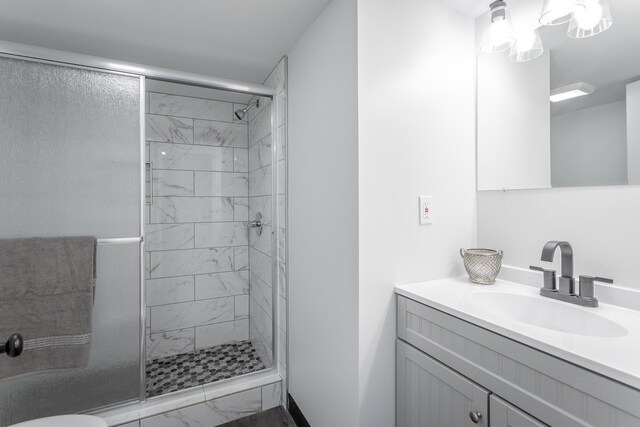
(200, 367)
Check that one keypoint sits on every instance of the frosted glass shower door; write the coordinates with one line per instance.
(70, 165)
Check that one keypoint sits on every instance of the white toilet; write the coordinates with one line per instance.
(65, 421)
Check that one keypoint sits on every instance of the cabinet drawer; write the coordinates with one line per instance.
(431, 395)
(503, 414)
(557, 392)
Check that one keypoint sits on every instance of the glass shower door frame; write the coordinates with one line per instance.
(79, 61)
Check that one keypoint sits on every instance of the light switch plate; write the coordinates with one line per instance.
(426, 210)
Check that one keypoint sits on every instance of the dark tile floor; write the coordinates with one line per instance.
(276, 417)
(201, 367)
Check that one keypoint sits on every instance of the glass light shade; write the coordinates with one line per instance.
(528, 46)
(593, 19)
(556, 12)
(498, 34)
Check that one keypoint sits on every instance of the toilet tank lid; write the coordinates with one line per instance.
(65, 421)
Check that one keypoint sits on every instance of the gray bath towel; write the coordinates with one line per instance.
(46, 295)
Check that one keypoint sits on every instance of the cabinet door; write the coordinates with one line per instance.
(431, 395)
(503, 414)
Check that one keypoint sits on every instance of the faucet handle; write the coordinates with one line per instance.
(544, 270)
(586, 285)
(588, 279)
(549, 277)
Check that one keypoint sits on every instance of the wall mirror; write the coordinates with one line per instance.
(527, 141)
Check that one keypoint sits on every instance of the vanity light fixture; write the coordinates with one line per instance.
(573, 90)
(593, 19)
(498, 34)
(556, 12)
(528, 46)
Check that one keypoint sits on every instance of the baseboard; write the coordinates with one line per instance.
(296, 413)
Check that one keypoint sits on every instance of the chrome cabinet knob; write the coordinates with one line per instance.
(475, 416)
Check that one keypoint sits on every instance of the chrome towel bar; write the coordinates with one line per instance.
(120, 240)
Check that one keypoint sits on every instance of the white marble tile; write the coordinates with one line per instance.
(221, 134)
(240, 258)
(260, 126)
(184, 106)
(282, 279)
(168, 129)
(240, 160)
(191, 157)
(160, 237)
(170, 290)
(260, 332)
(211, 413)
(260, 182)
(265, 103)
(271, 396)
(171, 210)
(221, 184)
(216, 285)
(282, 211)
(276, 79)
(147, 321)
(172, 183)
(260, 265)
(241, 307)
(282, 241)
(165, 344)
(281, 143)
(261, 293)
(282, 177)
(282, 349)
(261, 242)
(190, 314)
(241, 209)
(209, 235)
(260, 154)
(281, 109)
(191, 261)
(282, 314)
(222, 333)
(260, 204)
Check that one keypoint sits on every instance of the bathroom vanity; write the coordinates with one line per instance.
(504, 356)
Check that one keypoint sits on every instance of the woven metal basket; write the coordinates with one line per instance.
(482, 265)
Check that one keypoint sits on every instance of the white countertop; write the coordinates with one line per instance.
(615, 357)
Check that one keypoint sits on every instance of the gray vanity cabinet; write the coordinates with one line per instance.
(504, 414)
(451, 373)
(432, 395)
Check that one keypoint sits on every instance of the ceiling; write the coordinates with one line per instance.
(234, 39)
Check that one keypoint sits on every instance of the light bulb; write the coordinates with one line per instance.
(590, 16)
(528, 46)
(556, 12)
(498, 36)
(593, 19)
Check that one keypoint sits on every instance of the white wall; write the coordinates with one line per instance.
(600, 222)
(589, 146)
(513, 123)
(323, 219)
(417, 137)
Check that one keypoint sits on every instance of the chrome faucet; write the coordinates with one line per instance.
(566, 291)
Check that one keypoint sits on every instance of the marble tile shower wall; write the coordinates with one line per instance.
(261, 167)
(196, 233)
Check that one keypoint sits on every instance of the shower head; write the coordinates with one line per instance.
(241, 113)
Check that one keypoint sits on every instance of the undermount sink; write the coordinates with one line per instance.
(545, 313)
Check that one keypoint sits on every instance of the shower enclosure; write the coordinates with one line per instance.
(187, 201)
